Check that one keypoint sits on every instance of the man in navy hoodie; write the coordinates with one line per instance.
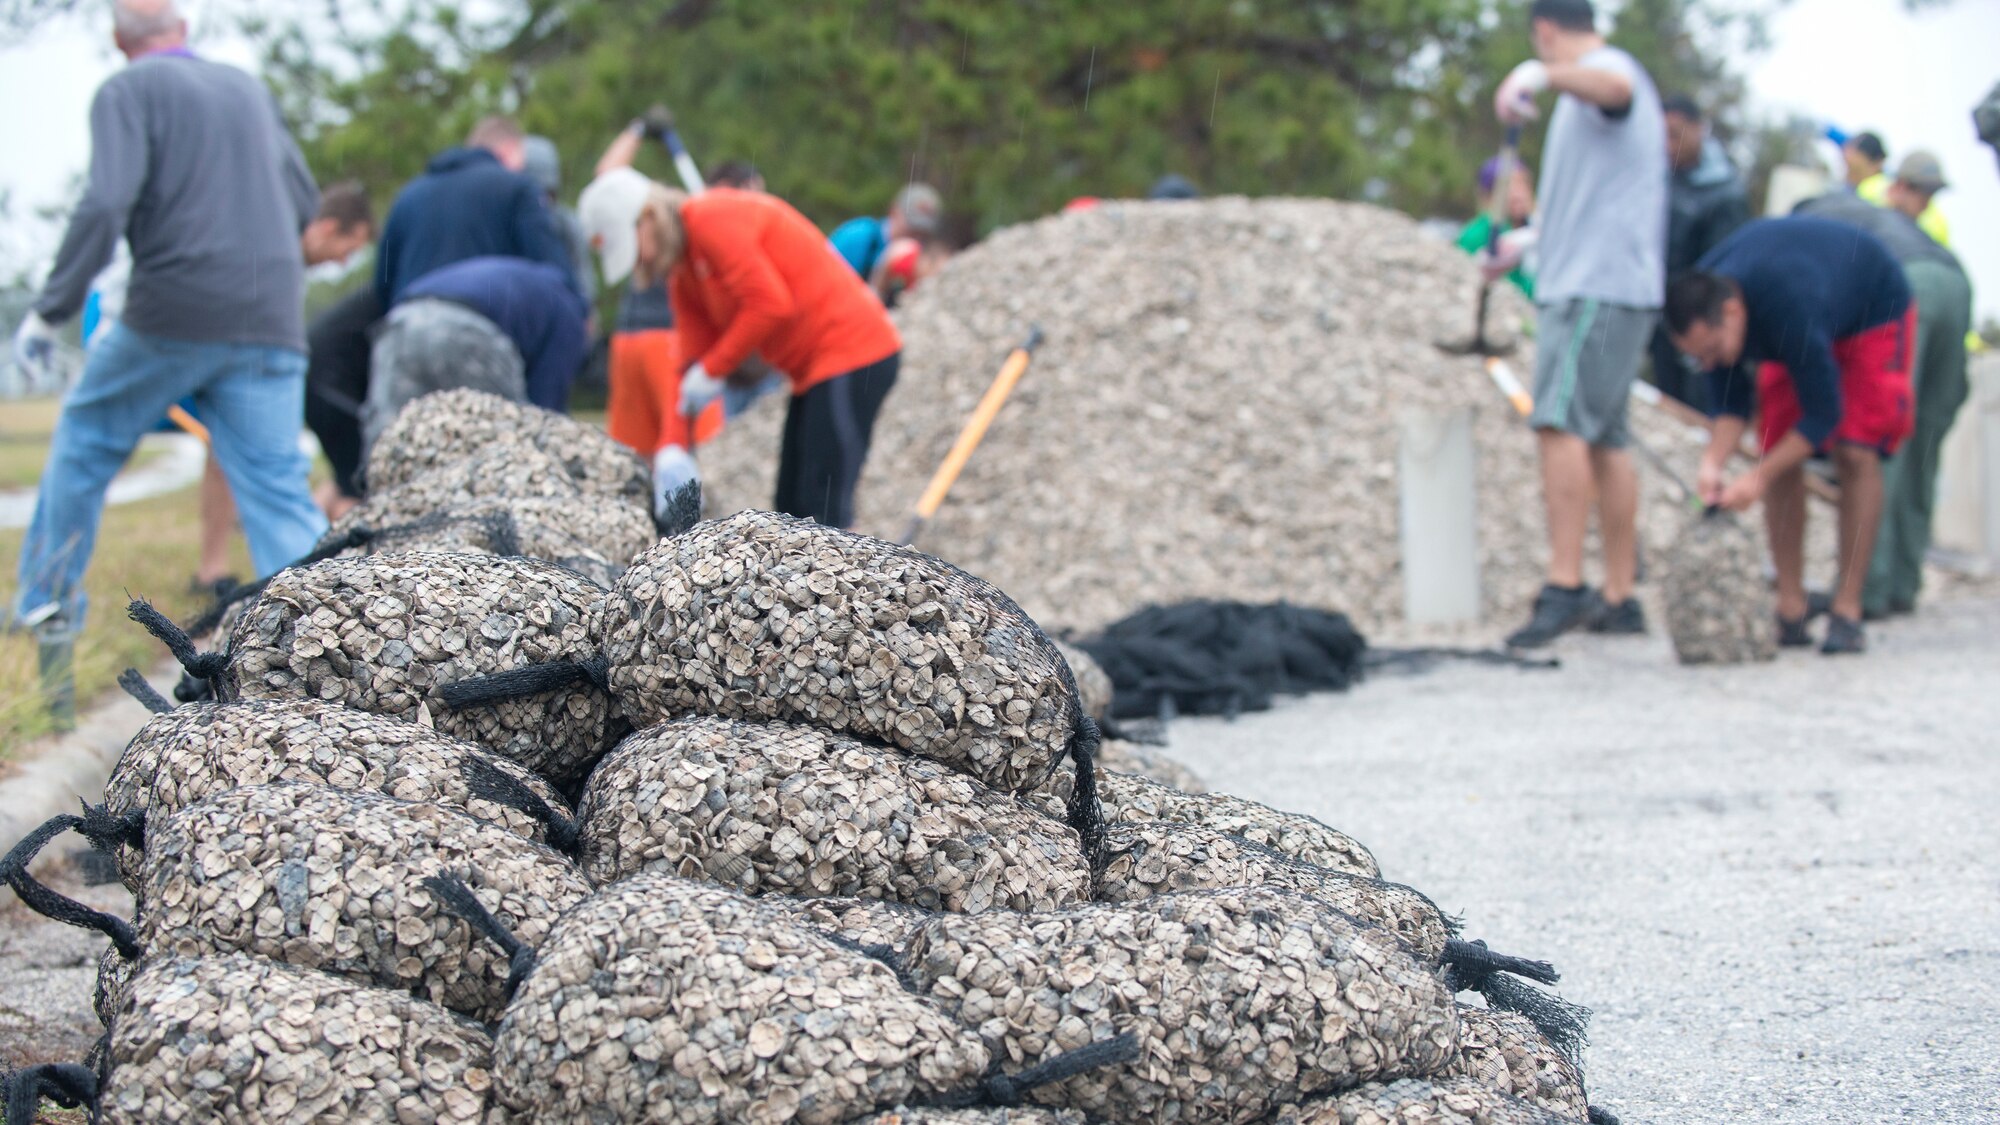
(471, 202)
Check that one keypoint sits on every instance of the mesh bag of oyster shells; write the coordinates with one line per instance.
(383, 634)
(658, 999)
(866, 921)
(1240, 999)
(440, 429)
(664, 1000)
(1505, 1051)
(240, 1038)
(329, 880)
(1718, 605)
(1416, 1101)
(1146, 859)
(1127, 799)
(191, 753)
(765, 616)
(554, 528)
(790, 809)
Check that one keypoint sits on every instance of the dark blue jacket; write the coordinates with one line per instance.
(1806, 283)
(465, 205)
(533, 303)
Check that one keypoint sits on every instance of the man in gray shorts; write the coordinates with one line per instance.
(1600, 232)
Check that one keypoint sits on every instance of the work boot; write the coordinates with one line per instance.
(1558, 609)
(1844, 635)
(1626, 619)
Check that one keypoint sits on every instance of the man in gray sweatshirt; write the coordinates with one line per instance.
(190, 164)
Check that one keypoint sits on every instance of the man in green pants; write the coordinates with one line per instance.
(1943, 296)
(1944, 315)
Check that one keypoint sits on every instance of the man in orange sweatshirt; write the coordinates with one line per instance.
(748, 275)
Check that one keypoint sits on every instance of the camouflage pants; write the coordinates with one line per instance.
(428, 345)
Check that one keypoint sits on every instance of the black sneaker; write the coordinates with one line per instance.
(1792, 631)
(1625, 619)
(1557, 611)
(1844, 635)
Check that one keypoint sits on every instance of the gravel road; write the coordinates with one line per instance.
(1779, 886)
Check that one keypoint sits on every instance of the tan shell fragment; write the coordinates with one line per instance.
(382, 634)
(1241, 1000)
(448, 427)
(763, 616)
(1128, 799)
(1505, 1051)
(667, 1001)
(1144, 860)
(331, 880)
(869, 921)
(194, 752)
(1718, 603)
(240, 1039)
(1414, 1101)
(787, 809)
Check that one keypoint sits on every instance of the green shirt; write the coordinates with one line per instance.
(1473, 239)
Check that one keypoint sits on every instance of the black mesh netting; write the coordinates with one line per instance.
(1221, 658)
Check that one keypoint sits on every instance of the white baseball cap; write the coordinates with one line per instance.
(609, 209)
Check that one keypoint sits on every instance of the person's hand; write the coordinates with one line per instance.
(698, 389)
(1506, 255)
(656, 123)
(1708, 482)
(35, 350)
(1514, 102)
(1742, 492)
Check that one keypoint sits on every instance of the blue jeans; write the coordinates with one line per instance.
(251, 398)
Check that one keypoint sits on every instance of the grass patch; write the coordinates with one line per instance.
(149, 549)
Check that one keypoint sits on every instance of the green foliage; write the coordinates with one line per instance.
(1011, 107)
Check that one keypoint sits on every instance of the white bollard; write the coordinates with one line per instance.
(1440, 517)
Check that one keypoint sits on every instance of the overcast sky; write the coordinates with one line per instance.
(1863, 64)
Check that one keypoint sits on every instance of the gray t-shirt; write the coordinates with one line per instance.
(190, 163)
(1603, 210)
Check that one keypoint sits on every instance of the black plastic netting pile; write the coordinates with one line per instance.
(1222, 658)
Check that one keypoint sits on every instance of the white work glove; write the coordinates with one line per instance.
(1514, 102)
(35, 351)
(673, 469)
(698, 389)
(1508, 251)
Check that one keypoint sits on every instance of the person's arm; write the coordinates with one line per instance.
(763, 301)
(1608, 90)
(119, 154)
(624, 148)
(1816, 380)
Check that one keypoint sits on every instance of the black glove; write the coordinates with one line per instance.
(656, 123)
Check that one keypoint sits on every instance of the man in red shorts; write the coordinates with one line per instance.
(1819, 315)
